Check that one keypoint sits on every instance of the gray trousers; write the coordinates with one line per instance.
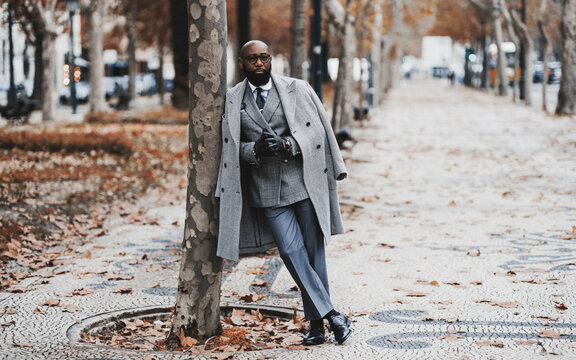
(301, 246)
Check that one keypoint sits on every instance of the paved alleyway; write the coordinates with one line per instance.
(461, 214)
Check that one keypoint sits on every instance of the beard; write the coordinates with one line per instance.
(258, 79)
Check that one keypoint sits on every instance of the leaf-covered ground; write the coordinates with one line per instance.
(58, 184)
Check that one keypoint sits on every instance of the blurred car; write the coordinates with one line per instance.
(82, 93)
(554, 70)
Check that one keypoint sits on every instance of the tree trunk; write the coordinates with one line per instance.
(197, 309)
(567, 94)
(179, 23)
(388, 43)
(49, 54)
(243, 11)
(501, 57)
(526, 40)
(377, 54)
(38, 63)
(514, 38)
(297, 57)
(96, 11)
(132, 49)
(160, 76)
(545, 52)
(342, 114)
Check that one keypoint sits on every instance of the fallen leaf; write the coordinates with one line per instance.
(38, 311)
(87, 255)
(124, 290)
(434, 283)
(51, 302)
(9, 323)
(258, 282)
(441, 302)
(525, 342)
(386, 246)
(549, 334)
(416, 294)
(507, 304)
(252, 297)
(452, 203)
(256, 272)
(23, 344)
(489, 343)
(560, 306)
(18, 289)
(449, 337)
(474, 252)
(186, 341)
(81, 292)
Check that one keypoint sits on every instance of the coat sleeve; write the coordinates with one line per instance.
(340, 172)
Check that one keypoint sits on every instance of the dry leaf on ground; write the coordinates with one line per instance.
(490, 343)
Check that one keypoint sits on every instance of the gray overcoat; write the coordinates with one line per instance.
(243, 228)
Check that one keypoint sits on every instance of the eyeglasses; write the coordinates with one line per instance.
(253, 59)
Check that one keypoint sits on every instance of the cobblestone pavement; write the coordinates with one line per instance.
(460, 210)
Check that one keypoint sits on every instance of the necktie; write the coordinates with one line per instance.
(259, 98)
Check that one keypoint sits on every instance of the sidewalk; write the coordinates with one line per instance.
(460, 209)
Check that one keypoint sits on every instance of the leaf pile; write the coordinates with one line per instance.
(58, 186)
(242, 331)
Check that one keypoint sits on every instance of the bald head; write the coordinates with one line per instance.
(254, 44)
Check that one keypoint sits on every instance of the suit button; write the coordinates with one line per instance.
(325, 171)
(308, 124)
(225, 165)
(285, 160)
(318, 146)
(222, 189)
(225, 140)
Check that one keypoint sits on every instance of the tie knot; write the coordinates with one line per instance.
(259, 90)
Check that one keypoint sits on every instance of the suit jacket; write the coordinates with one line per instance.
(242, 228)
(271, 181)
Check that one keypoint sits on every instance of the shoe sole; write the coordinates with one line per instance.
(345, 337)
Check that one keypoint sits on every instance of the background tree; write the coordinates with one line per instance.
(567, 94)
(179, 22)
(377, 53)
(197, 309)
(95, 12)
(46, 14)
(298, 53)
(521, 30)
(545, 49)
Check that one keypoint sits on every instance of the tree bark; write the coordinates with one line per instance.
(298, 55)
(524, 36)
(243, 11)
(388, 42)
(501, 57)
(567, 94)
(132, 49)
(377, 54)
(197, 309)
(44, 14)
(514, 39)
(38, 63)
(96, 11)
(342, 114)
(546, 52)
(179, 23)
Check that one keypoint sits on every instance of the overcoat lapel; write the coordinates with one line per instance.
(271, 104)
(234, 102)
(287, 98)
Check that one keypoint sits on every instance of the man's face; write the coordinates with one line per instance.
(256, 63)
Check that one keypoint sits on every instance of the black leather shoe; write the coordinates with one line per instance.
(315, 335)
(340, 326)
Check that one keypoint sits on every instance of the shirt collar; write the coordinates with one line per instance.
(264, 87)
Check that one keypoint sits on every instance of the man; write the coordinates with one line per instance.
(277, 181)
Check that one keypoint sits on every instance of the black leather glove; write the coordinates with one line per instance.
(262, 146)
(274, 142)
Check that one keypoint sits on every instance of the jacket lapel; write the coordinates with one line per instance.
(272, 103)
(286, 94)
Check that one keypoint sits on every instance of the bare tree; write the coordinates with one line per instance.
(132, 48)
(45, 14)
(95, 12)
(567, 94)
(514, 39)
(197, 310)
(546, 51)
(388, 42)
(377, 53)
(343, 21)
(500, 59)
(298, 55)
(178, 21)
(524, 36)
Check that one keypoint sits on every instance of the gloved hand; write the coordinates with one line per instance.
(262, 147)
(274, 141)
